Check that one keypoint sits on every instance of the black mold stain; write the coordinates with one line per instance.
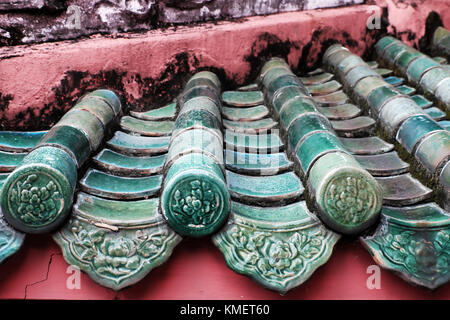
(11, 36)
(156, 92)
(153, 92)
(431, 24)
(266, 46)
(322, 38)
(71, 87)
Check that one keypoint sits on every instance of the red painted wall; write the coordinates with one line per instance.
(197, 270)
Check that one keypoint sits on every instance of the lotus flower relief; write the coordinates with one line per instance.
(273, 256)
(195, 204)
(349, 198)
(35, 204)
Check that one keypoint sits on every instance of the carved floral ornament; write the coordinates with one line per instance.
(422, 256)
(196, 203)
(349, 199)
(116, 258)
(36, 198)
(278, 260)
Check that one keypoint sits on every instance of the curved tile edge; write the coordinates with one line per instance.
(116, 258)
(279, 260)
(420, 256)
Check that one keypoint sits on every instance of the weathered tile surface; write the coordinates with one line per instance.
(245, 114)
(257, 126)
(117, 243)
(115, 187)
(384, 164)
(366, 145)
(340, 112)
(403, 190)
(118, 163)
(258, 164)
(268, 189)
(358, 126)
(242, 98)
(17, 141)
(414, 242)
(278, 247)
(164, 113)
(138, 145)
(146, 127)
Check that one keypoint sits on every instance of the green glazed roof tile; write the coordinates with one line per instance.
(292, 228)
(109, 186)
(17, 141)
(436, 113)
(164, 113)
(406, 90)
(10, 240)
(403, 190)
(354, 127)
(245, 114)
(9, 161)
(366, 145)
(253, 143)
(256, 126)
(394, 81)
(445, 124)
(118, 163)
(146, 127)
(422, 101)
(324, 88)
(102, 226)
(414, 242)
(270, 189)
(249, 87)
(242, 98)
(384, 164)
(340, 112)
(258, 164)
(316, 79)
(332, 99)
(383, 72)
(138, 145)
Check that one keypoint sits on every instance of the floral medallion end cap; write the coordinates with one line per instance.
(36, 198)
(195, 202)
(349, 199)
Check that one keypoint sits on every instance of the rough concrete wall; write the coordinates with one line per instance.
(33, 21)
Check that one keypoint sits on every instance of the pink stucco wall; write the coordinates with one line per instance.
(39, 82)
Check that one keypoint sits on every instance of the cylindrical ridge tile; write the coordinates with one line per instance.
(108, 96)
(414, 129)
(348, 198)
(195, 200)
(317, 149)
(37, 196)
(397, 110)
(400, 115)
(316, 145)
(434, 150)
(423, 71)
(85, 122)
